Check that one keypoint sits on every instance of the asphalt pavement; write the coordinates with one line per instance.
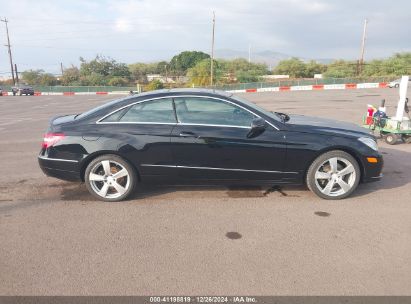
(58, 240)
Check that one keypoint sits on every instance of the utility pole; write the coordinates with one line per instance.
(165, 67)
(8, 45)
(17, 74)
(212, 52)
(61, 67)
(249, 53)
(361, 61)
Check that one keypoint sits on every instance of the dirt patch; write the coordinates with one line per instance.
(76, 193)
(244, 192)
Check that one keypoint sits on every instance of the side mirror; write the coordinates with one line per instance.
(258, 126)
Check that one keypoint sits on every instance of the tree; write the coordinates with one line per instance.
(341, 69)
(294, 67)
(180, 63)
(47, 79)
(102, 69)
(313, 67)
(34, 77)
(71, 76)
(242, 70)
(139, 70)
(162, 67)
(31, 76)
(397, 65)
(155, 85)
(93, 80)
(118, 81)
(199, 75)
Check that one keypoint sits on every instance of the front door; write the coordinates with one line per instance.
(210, 143)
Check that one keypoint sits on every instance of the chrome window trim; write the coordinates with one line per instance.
(211, 125)
(58, 159)
(136, 123)
(213, 168)
(173, 124)
(178, 122)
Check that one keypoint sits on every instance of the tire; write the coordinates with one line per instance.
(397, 86)
(102, 183)
(324, 176)
(391, 138)
(406, 139)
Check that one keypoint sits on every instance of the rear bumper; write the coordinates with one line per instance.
(64, 169)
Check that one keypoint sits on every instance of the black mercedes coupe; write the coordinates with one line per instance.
(188, 136)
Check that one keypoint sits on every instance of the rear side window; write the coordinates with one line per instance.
(151, 111)
(115, 117)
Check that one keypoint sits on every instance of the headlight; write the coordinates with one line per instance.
(369, 142)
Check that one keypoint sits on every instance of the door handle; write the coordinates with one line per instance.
(188, 134)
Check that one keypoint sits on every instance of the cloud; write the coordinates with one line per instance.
(122, 25)
(146, 30)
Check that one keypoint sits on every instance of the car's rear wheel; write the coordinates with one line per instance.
(110, 178)
(333, 175)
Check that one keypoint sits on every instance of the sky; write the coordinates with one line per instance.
(44, 33)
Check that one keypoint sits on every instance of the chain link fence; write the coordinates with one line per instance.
(299, 82)
(224, 87)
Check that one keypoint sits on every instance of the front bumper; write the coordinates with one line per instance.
(372, 171)
(64, 169)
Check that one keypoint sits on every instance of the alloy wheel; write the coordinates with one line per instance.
(109, 179)
(335, 176)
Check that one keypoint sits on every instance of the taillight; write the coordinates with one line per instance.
(50, 139)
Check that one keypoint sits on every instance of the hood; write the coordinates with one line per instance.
(309, 124)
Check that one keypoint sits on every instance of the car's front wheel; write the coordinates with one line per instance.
(333, 175)
(110, 178)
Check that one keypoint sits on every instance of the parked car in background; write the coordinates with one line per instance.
(22, 90)
(396, 83)
(205, 137)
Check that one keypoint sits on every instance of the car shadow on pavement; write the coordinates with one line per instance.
(396, 173)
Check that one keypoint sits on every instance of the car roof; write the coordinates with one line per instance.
(199, 91)
(117, 103)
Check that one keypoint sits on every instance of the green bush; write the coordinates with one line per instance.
(155, 85)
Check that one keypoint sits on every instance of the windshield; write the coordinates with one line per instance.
(255, 107)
